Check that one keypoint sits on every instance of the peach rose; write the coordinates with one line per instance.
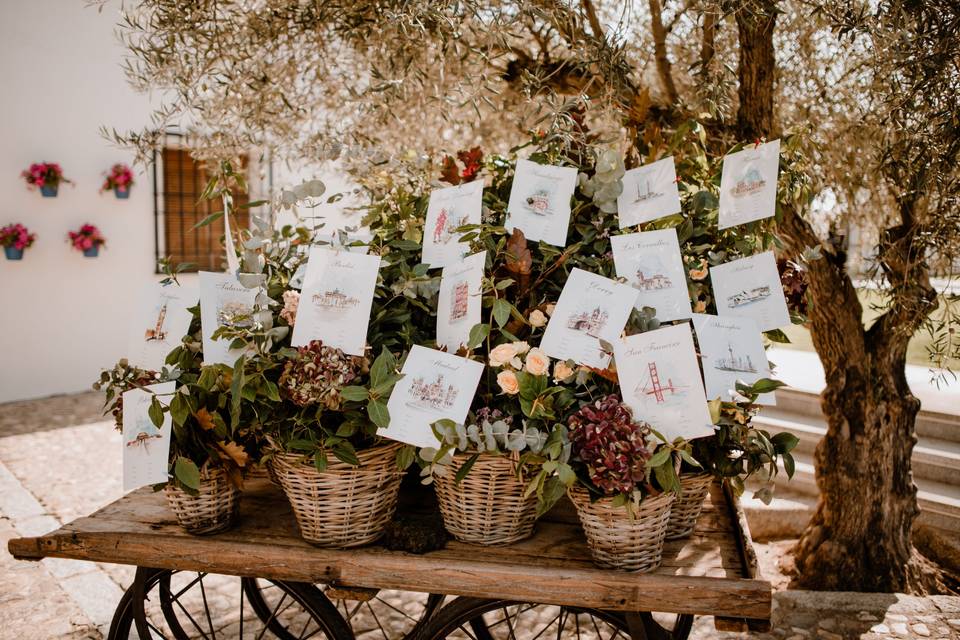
(538, 363)
(562, 371)
(550, 308)
(502, 354)
(508, 382)
(537, 318)
(521, 347)
(701, 273)
(700, 306)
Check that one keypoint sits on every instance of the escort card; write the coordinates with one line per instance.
(731, 349)
(435, 385)
(649, 192)
(660, 382)
(161, 319)
(751, 287)
(748, 185)
(224, 302)
(450, 208)
(458, 308)
(145, 447)
(540, 201)
(336, 299)
(652, 264)
(590, 308)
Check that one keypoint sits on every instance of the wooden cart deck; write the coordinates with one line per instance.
(713, 572)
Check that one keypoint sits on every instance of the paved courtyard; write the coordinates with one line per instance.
(59, 459)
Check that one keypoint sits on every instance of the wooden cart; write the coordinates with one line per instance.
(712, 572)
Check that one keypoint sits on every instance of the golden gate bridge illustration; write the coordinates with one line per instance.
(653, 386)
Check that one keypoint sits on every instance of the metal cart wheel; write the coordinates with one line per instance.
(372, 614)
(477, 619)
(188, 605)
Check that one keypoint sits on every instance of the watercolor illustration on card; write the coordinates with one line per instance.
(432, 393)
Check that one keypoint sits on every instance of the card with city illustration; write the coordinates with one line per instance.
(751, 287)
(731, 350)
(450, 208)
(540, 201)
(145, 447)
(660, 381)
(161, 319)
(458, 306)
(652, 264)
(649, 192)
(224, 302)
(748, 185)
(336, 299)
(435, 385)
(591, 308)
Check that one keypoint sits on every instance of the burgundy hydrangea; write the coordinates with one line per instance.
(318, 373)
(613, 447)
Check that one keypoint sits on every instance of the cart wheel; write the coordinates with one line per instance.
(188, 605)
(378, 615)
(476, 619)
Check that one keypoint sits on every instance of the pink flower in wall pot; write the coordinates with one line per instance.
(87, 240)
(45, 176)
(15, 238)
(119, 179)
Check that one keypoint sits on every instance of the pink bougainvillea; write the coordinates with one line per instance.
(42, 174)
(16, 236)
(120, 178)
(86, 238)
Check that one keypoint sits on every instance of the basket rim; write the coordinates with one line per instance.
(365, 456)
(580, 495)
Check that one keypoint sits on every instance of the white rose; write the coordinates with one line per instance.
(537, 318)
(502, 354)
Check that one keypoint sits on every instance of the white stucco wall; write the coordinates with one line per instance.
(63, 317)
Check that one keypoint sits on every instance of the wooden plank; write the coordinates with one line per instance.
(750, 563)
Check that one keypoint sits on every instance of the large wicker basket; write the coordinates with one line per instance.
(342, 506)
(688, 505)
(487, 507)
(618, 541)
(213, 509)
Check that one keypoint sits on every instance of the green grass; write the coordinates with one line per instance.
(916, 351)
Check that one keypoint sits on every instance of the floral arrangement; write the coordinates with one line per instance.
(44, 174)
(87, 237)
(120, 177)
(16, 236)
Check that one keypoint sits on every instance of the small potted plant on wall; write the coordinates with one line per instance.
(88, 240)
(45, 176)
(15, 238)
(119, 179)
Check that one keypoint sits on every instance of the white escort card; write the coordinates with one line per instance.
(590, 308)
(145, 447)
(731, 349)
(224, 302)
(435, 385)
(751, 287)
(660, 382)
(748, 185)
(458, 308)
(649, 192)
(540, 201)
(652, 264)
(450, 208)
(336, 299)
(161, 319)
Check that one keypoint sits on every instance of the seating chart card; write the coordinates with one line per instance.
(435, 385)
(336, 299)
(731, 349)
(590, 308)
(748, 185)
(652, 264)
(540, 201)
(660, 382)
(224, 302)
(161, 319)
(450, 208)
(649, 192)
(751, 287)
(458, 308)
(145, 447)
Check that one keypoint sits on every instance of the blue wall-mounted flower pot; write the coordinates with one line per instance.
(49, 190)
(122, 194)
(92, 252)
(13, 253)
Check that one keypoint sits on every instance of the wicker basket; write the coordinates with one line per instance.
(618, 541)
(343, 506)
(688, 505)
(488, 506)
(213, 509)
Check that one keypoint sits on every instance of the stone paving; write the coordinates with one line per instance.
(59, 459)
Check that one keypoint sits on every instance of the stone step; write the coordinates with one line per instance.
(933, 459)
